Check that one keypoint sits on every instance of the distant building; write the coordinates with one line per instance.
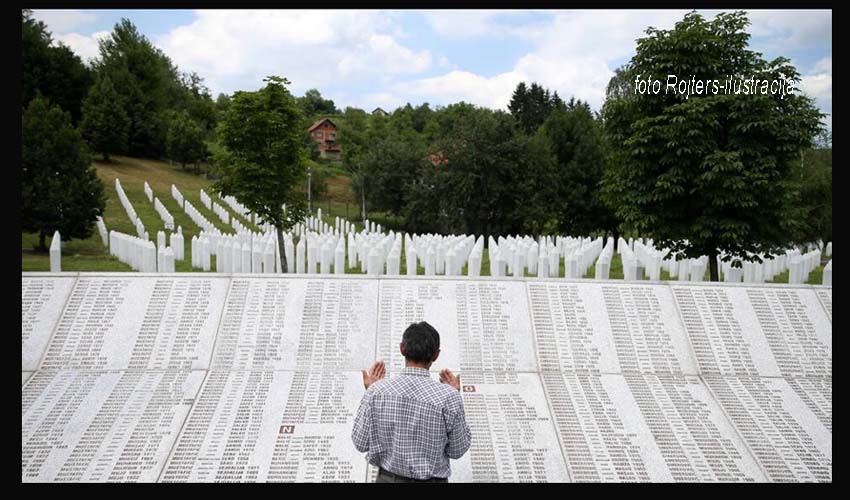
(324, 133)
(379, 111)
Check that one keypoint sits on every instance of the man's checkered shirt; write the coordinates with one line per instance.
(411, 425)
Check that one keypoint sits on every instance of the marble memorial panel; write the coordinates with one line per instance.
(825, 296)
(789, 436)
(757, 331)
(644, 427)
(42, 301)
(138, 323)
(297, 324)
(483, 326)
(102, 426)
(270, 426)
(608, 328)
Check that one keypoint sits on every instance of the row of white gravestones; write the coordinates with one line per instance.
(440, 254)
(222, 212)
(131, 212)
(139, 254)
(164, 214)
(828, 249)
(800, 266)
(206, 200)
(827, 273)
(148, 192)
(104, 234)
(198, 218)
(246, 252)
(177, 195)
(234, 205)
(56, 253)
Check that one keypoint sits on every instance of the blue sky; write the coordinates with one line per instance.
(388, 58)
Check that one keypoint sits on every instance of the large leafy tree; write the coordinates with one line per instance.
(60, 189)
(147, 82)
(354, 141)
(105, 124)
(313, 104)
(575, 136)
(709, 173)
(262, 164)
(53, 71)
(185, 140)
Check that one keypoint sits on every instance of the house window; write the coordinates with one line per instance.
(331, 136)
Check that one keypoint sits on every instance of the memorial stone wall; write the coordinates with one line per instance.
(237, 378)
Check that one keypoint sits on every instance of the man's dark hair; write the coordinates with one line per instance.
(421, 342)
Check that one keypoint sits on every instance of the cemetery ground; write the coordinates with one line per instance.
(91, 255)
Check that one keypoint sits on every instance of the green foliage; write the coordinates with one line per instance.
(813, 179)
(53, 71)
(105, 124)
(185, 142)
(530, 106)
(575, 136)
(710, 173)
(314, 105)
(151, 90)
(60, 189)
(263, 164)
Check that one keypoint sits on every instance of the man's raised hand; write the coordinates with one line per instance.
(447, 377)
(376, 372)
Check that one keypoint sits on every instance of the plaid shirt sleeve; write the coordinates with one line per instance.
(362, 424)
(458, 431)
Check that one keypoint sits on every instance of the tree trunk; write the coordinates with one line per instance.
(106, 157)
(42, 243)
(363, 198)
(712, 266)
(616, 236)
(282, 249)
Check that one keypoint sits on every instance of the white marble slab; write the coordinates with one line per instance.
(270, 426)
(303, 324)
(792, 442)
(42, 301)
(757, 331)
(88, 426)
(25, 376)
(483, 326)
(138, 323)
(608, 328)
(644, 427)
(825, 296)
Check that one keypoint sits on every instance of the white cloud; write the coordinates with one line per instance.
(310, 48)
(84, 46)
(64, 21)
(799, 28)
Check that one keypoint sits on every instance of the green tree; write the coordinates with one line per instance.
(813, 175)
(148, 83)
(313, 104)
(530, 106)
(105, 124)
(576, 138)
(53, 71)
(262, 164)
(60, 188)
(353, 140)
(185, 142)
(710, 173)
